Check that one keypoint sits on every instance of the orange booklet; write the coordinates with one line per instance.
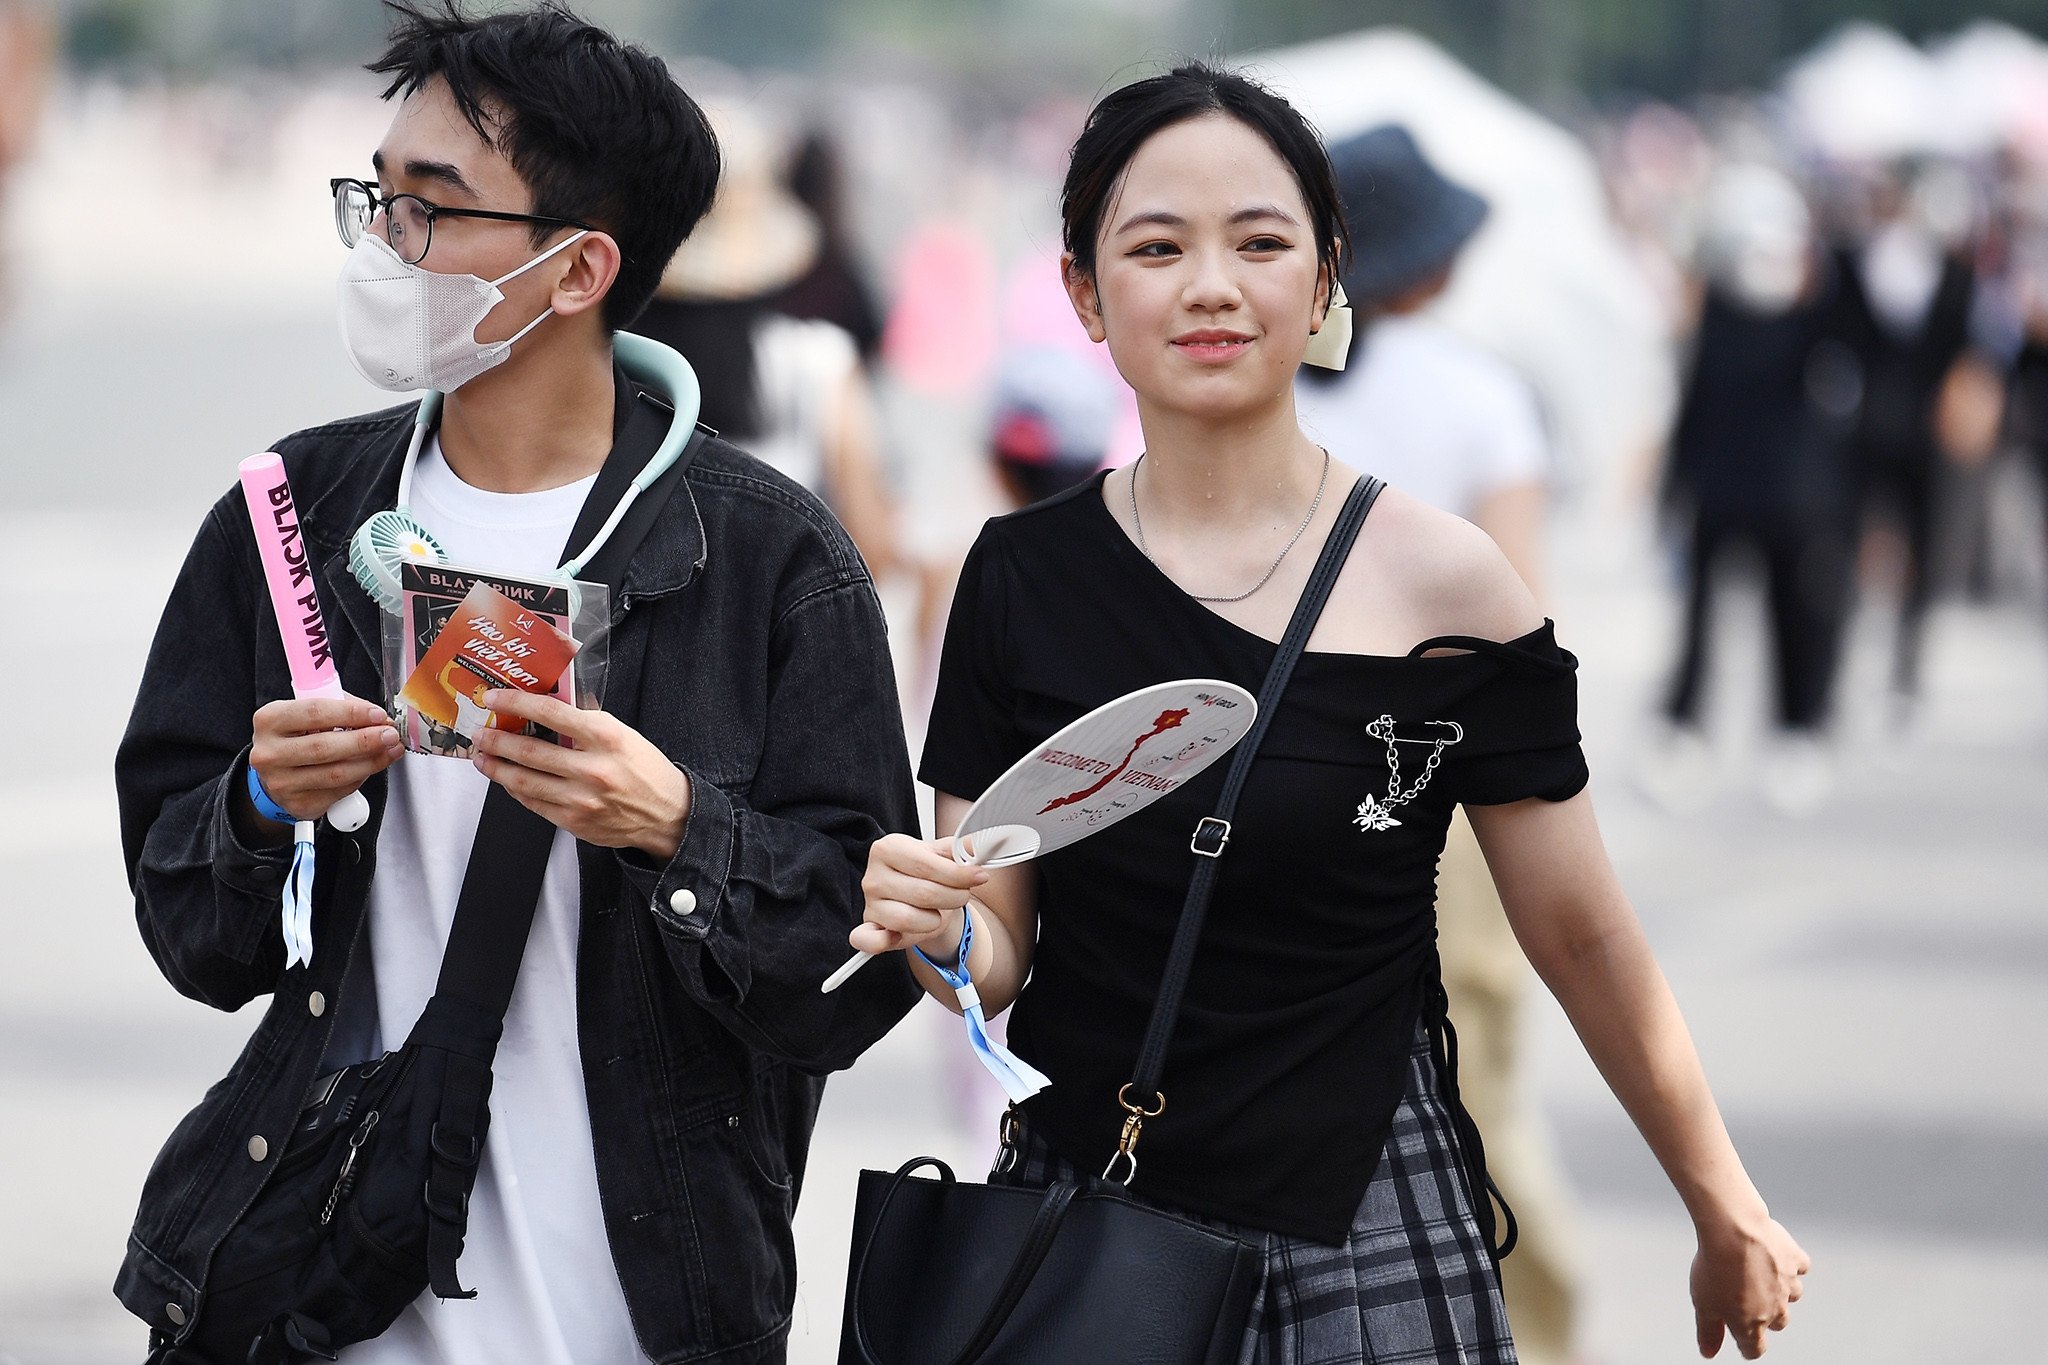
(489, 642)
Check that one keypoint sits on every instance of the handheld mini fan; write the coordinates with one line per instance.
(384, 543)
(392, 538)
(1108, 765)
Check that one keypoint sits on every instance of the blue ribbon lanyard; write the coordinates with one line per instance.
(298, 882)
(1020, 1080)
(298, 898)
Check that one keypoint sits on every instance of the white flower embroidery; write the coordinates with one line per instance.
(1373, 816)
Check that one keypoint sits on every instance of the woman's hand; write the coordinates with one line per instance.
(916, 894)
(1745, 1280)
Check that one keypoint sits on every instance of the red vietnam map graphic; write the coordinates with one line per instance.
(1168, 720)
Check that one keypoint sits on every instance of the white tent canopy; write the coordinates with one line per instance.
(1548, 282)
(1866, 94)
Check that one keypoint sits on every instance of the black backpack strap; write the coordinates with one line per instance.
(1212, 835)
(507, 861)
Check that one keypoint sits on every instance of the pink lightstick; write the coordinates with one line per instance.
(288, 568)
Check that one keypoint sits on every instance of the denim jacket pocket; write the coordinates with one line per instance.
(735, 1202)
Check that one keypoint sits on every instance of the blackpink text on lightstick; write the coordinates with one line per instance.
(309, 652)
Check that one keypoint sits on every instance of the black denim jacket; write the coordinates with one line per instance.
(747, 644)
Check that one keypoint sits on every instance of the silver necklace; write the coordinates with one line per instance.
(1138, 524)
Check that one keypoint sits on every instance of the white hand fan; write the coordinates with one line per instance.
(1111, 763)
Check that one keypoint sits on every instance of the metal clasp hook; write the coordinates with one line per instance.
(1134, 1128)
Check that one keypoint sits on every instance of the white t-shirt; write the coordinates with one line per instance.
(1433, 414)
(801, 367)
(536, 1251)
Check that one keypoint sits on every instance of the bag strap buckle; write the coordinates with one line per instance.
(1211, 836)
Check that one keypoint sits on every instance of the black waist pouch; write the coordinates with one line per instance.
(366, 1209)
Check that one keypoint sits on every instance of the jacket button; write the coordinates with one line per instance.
(175, 1313)
(258, 1148)
(316, 1004)
(683, 902)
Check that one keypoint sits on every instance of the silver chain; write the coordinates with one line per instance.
(1138, 524)
(1384, 729)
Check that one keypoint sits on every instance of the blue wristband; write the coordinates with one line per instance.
(1020, 1080)
(266, 807)
(966, 947)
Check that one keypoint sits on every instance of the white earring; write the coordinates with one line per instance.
(1331, 345)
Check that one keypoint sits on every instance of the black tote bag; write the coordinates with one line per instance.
(946, 1273)
(949, 1274)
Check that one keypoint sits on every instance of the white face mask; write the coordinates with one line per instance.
(406, 328)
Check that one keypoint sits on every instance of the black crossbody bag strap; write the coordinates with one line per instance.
(1212, 835)
(1036, 1240)
(508, 860)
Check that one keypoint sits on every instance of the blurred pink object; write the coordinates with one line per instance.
(941, 335)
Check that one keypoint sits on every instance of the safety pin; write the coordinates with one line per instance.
(1380, 732)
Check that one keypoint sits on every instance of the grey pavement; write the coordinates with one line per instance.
(1866, 985)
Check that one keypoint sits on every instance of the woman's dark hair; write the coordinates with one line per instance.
(598, 129)
(1121, 121)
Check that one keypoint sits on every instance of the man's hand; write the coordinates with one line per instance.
(310, 753)
(614, 789)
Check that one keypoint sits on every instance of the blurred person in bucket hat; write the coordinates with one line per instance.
(1442, 418)
(1408, 220)
(789, 391)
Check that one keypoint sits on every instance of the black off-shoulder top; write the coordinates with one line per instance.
(1319, 952)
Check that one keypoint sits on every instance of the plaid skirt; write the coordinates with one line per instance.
(1412, 1283)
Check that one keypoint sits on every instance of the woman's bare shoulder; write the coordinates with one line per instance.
(1440, 574)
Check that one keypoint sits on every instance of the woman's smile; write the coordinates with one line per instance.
(1212, 345)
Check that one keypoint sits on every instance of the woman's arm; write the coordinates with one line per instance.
(915, 895)
(1578, 929)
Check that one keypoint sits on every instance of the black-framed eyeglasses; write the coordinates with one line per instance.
(409, 219)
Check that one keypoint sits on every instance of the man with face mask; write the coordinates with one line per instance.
(659, 1073)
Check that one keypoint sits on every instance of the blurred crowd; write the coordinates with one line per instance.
(1813, 320)
(1857, 263)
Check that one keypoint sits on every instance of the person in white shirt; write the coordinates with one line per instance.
(1443, 418)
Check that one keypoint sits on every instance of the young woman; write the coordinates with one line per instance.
(1307, 1104)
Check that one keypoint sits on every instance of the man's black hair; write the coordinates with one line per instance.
(598, 129)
